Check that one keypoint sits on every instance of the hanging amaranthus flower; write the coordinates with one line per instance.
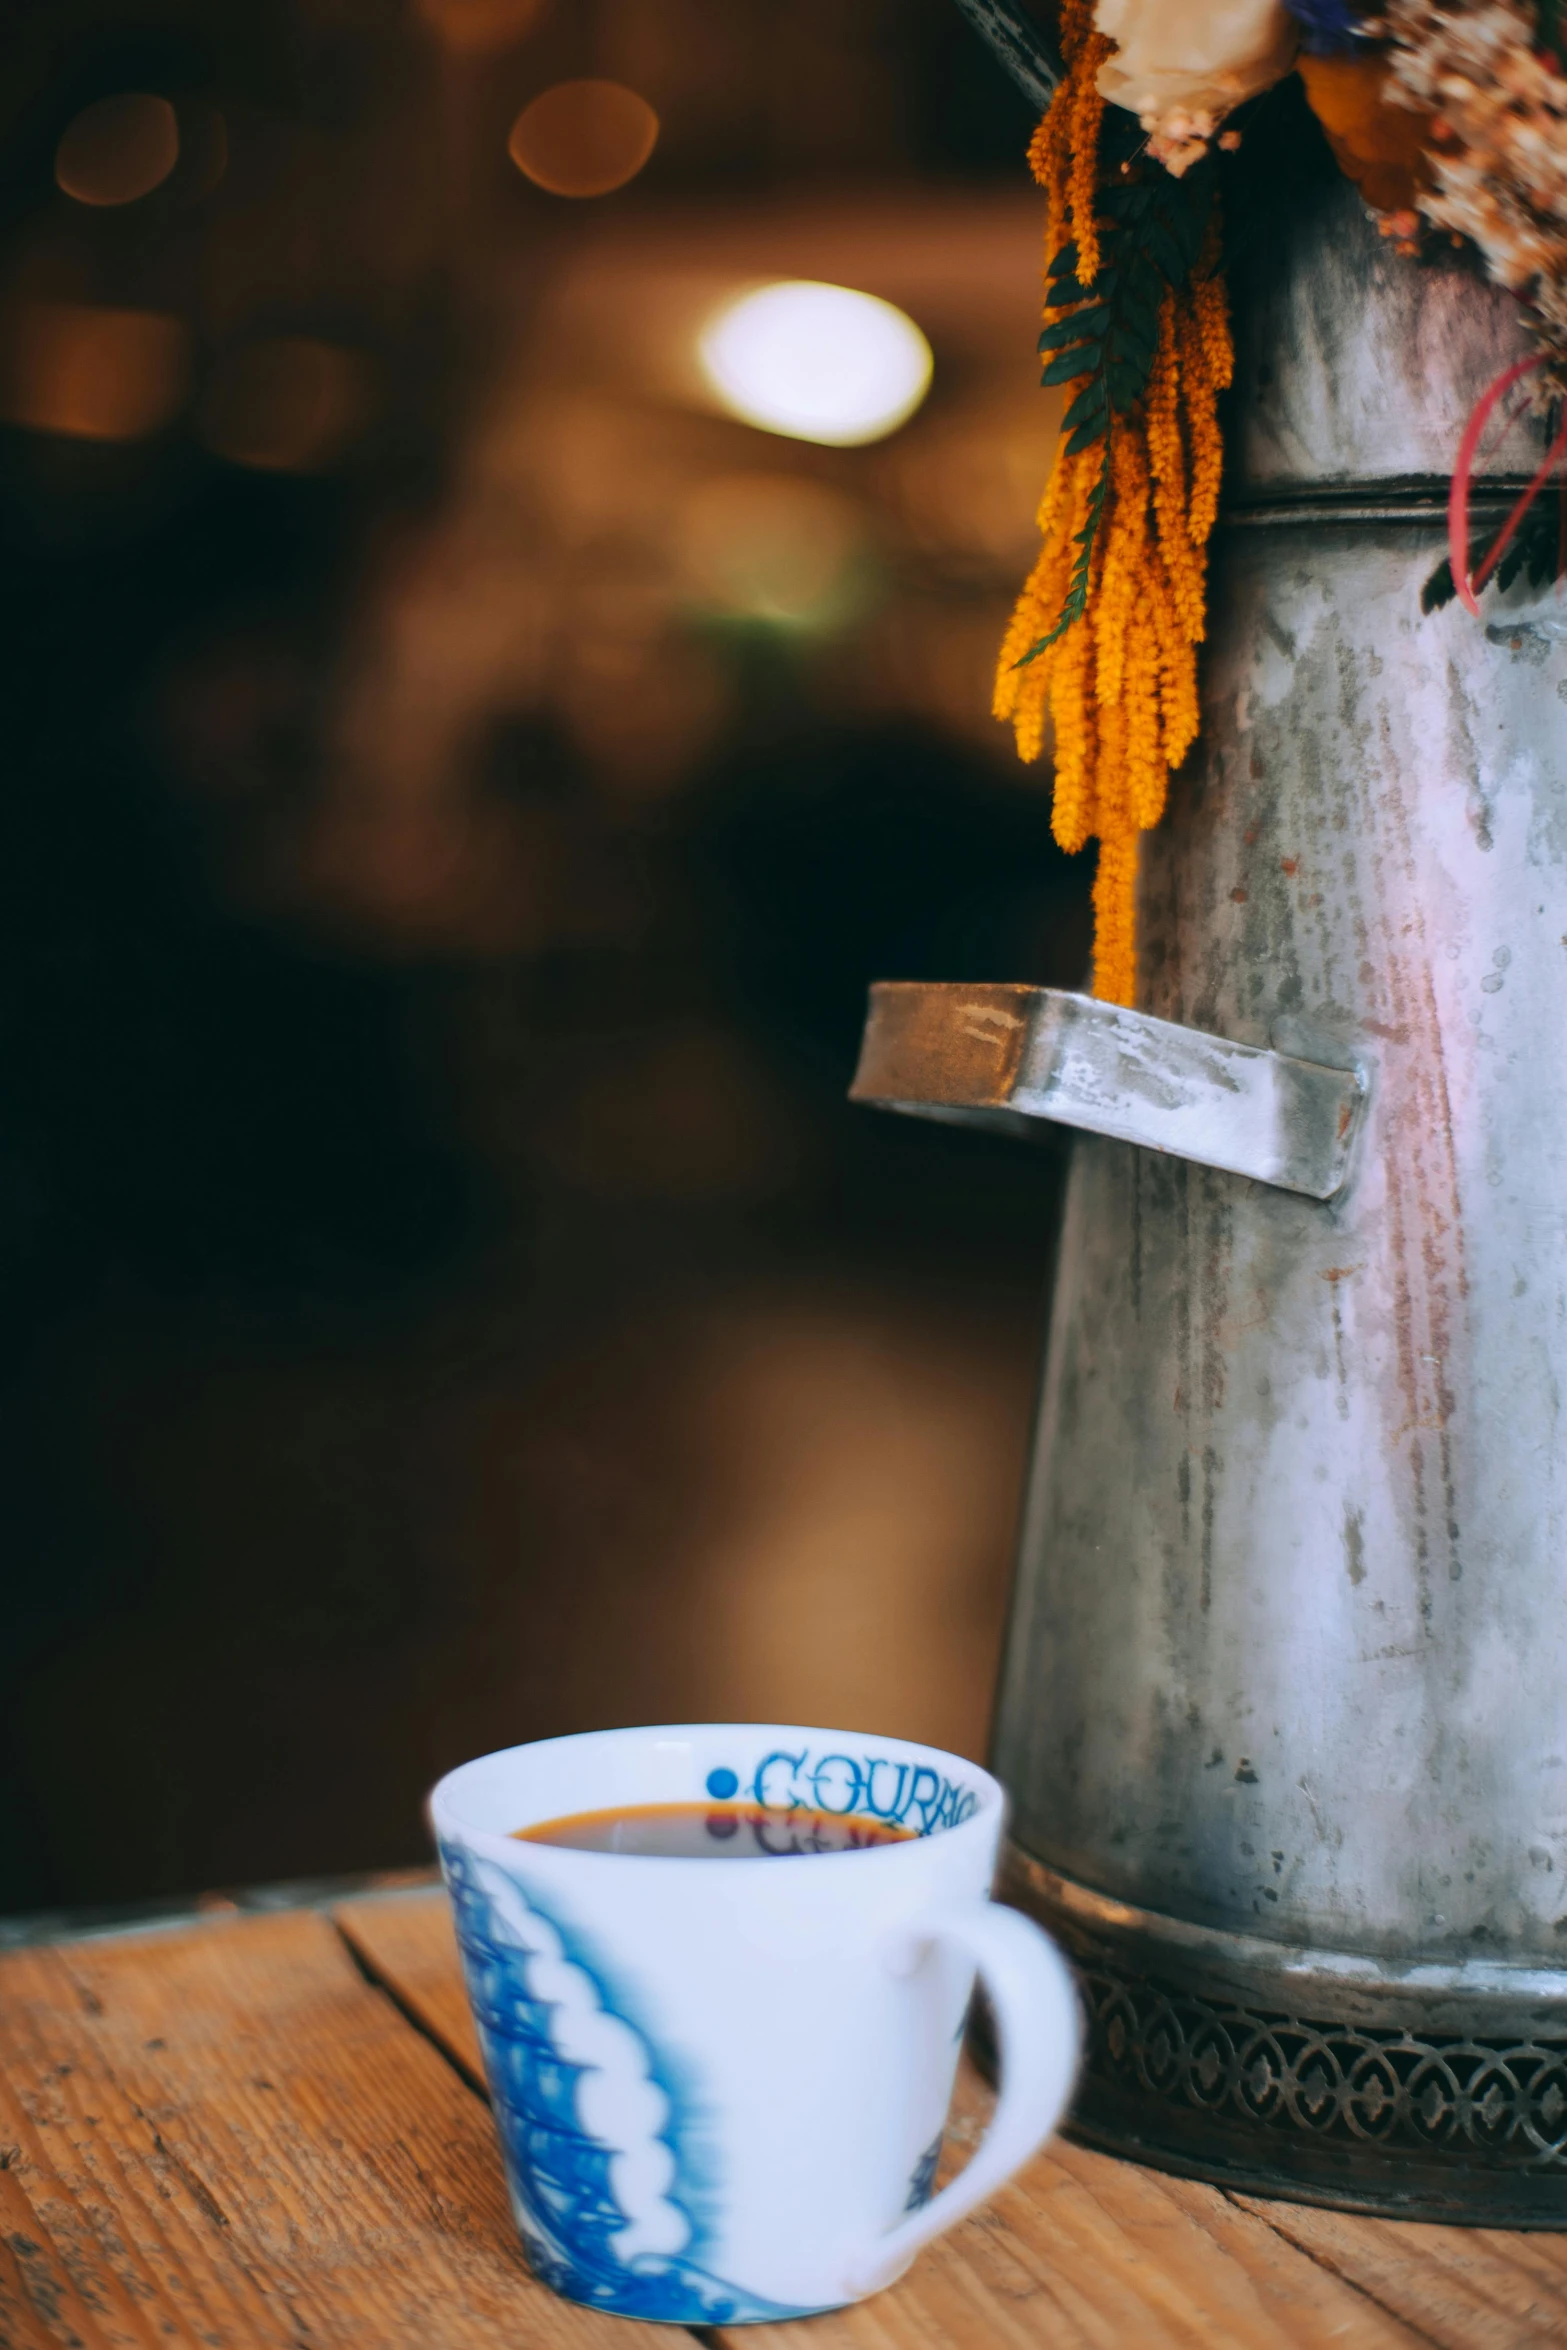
(1103, 640)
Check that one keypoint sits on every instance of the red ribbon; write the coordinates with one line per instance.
(1463, 472)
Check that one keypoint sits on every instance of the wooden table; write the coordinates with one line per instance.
(270, 2129)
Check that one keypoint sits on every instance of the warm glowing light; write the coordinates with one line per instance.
(287, 405)
(477, 28)
(583, 138)
(97, 375)
(773, 547)
(818, 363)
(118, 150)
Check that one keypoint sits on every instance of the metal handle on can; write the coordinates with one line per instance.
(1005, 1056)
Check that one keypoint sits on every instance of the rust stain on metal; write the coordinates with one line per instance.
(1385, 1034)
(1424, 1204)
(916, 1050)
(989, 1023)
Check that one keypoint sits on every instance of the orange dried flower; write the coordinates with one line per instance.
(1376, 142)
(1088, 109)
(1119, 686)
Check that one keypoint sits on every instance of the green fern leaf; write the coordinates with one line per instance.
(1078, 328)
(1068, 366)
(1091, 405)
(1076, 603)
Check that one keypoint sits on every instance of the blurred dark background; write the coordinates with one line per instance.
(456, 787)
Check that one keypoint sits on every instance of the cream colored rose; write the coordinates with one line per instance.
(1183, 65)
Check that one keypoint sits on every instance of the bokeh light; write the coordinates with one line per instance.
(286, 405)
(583, 138)
(93, 374)
(118, 150)
(772, 547)
(479, 28)
(817, 362)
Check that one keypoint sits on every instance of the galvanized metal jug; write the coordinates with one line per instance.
(1284, 1707)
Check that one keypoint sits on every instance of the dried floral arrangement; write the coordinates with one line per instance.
(1450, 116)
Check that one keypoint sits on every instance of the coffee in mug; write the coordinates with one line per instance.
(696, 1831)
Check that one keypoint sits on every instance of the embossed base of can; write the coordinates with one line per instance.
(1408, 2089)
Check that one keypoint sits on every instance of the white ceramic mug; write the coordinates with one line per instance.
(721, 2085)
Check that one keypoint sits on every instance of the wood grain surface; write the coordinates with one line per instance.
(227, 2137)
(271, 2130)
(405, 1942)
(1084, 2250)
(1464, 2288)
(1081, 2250)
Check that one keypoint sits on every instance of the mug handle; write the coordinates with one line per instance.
(1039, 2029)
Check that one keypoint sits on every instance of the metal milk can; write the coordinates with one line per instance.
(1284, 1705)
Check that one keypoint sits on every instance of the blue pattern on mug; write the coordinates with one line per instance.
(907, 1795)
(612, 2221)
(923, 2184)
